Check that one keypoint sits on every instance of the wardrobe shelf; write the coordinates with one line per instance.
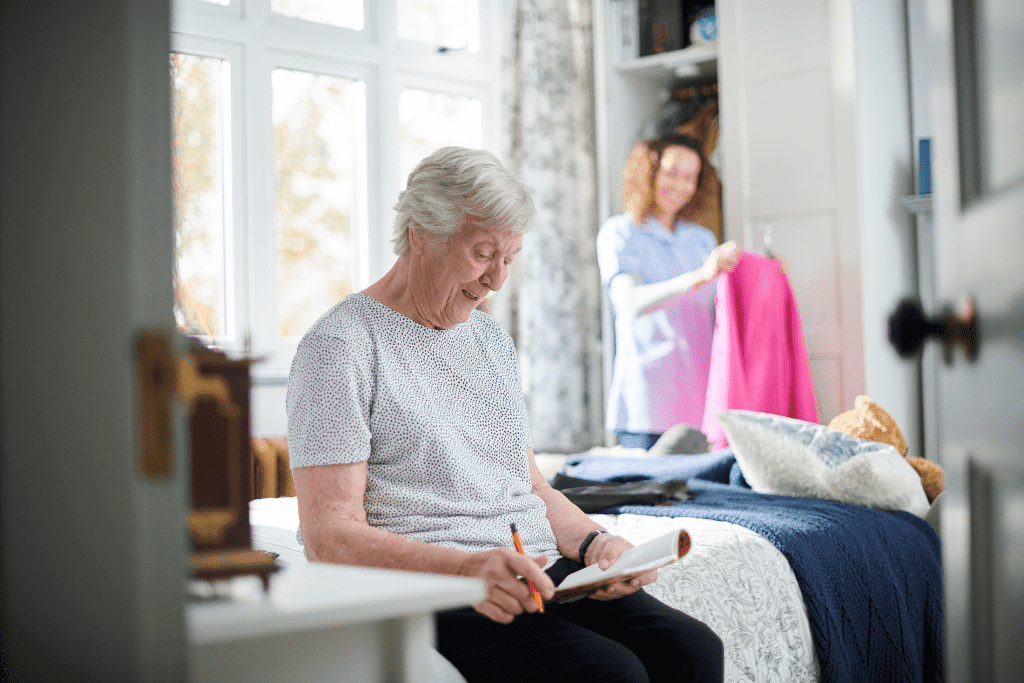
(917, 203)
(700, 57)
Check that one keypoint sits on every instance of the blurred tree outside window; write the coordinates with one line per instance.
(429, 120)
(318, 122)
(200, 228)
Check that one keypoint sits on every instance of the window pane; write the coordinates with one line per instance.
(343, 13)
(430, 120)
(319, 134)
(444, 23)
(200, 227)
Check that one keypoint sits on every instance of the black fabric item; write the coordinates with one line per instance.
(594, 496)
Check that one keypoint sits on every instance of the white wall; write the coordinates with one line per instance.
(886, 173)
(920, 58)
(267, 411)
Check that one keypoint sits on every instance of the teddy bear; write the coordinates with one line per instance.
(868, 420)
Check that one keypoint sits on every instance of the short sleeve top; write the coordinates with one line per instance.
(438, 416)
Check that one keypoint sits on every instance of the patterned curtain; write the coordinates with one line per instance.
(551, 301)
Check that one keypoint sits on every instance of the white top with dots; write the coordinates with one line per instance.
(438, 415)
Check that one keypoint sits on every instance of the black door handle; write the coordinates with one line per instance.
(909, 328)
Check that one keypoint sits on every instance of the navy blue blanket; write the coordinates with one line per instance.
(871, 579)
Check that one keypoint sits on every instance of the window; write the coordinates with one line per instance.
(295, 125)
(201, 216)
(318, 123)
(452, 24)
(429, 120)
(343, 13)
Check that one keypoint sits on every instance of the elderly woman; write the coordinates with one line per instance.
(411, 450)
(655, 266)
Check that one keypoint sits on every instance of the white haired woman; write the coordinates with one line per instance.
(410, 450)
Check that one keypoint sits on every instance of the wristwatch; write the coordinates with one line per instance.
(586, 543)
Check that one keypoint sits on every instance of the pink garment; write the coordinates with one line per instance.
(758, 356)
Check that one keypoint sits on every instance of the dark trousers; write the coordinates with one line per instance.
(637, 638)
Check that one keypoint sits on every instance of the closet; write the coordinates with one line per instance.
(791, 168)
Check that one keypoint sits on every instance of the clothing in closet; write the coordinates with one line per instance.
(660, 373)
(758, 357)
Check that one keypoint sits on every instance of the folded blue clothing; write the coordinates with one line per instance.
(871, 579)
(718, 466)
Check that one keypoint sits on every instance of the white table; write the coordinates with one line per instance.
(322, 622)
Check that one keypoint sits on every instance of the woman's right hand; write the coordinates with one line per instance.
(723, 259)
(507, 594)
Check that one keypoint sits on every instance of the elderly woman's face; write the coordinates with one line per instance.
(457, 275)
(676, 179)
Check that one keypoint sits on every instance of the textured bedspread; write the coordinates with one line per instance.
(871, 580)
(741, 586)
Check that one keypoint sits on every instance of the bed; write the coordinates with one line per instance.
(799, 589)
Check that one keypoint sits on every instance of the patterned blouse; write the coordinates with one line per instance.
(438, 415)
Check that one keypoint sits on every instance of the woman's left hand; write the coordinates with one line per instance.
(604, 550)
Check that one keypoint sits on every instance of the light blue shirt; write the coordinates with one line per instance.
(662, 359)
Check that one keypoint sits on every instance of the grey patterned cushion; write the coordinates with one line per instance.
(789, 457)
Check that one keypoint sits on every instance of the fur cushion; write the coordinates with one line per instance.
(790, 457)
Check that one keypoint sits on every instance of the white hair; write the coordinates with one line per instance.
(455, 184)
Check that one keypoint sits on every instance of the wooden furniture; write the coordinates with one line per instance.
(271, 471)
(323, 622)
(221, 466)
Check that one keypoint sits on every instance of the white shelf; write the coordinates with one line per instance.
(917, 203)
(316, 595)
(700, 58)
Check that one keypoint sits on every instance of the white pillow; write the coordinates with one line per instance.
(789, 457)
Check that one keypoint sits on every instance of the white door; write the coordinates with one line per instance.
(978, 151)
(94, 552)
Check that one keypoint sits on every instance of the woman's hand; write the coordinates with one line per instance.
(507, 594)
(722, 259)
(604, 550)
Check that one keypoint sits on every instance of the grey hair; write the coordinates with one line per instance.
(455, 184)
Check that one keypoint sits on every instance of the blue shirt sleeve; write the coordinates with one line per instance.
(614, 250)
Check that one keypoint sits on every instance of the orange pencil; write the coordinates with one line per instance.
(534, 591)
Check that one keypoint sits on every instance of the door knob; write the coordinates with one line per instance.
(909, 328)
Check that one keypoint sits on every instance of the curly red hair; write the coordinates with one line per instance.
(641, 169)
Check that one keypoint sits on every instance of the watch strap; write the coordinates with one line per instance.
(586, 543)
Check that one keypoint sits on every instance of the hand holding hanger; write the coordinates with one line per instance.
(723, 259)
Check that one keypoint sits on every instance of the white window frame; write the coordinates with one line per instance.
(235, 239)
(254, 41)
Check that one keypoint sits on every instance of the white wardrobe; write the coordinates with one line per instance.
(815, 148)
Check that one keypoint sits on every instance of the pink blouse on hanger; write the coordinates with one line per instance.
(758, 356)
